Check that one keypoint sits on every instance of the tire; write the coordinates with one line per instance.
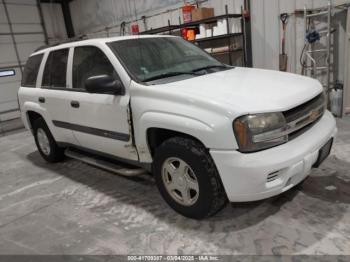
(54, 153)
(211, 196)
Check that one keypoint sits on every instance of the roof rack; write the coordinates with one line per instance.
(70, 40)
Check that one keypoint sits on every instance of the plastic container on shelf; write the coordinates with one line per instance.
(184, 33)
(135, 29)
(235, 26)
(188, 34)
(216, 30)
(221, 27)
(208, 50)
(199, 36)
(336, 100)
(208, 32)
(191, 34)
(202, 30)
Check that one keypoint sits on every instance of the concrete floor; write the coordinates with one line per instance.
(73, 208)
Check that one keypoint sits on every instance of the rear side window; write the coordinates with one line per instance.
(90, 61)
(56, 69)
(31, 71)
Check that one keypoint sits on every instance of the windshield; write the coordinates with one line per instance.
(155, 58)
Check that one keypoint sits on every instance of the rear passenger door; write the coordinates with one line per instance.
(54, 96)
(99, 121)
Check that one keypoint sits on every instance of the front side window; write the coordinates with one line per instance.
(90, 61)
(56, 69)
(31, 70)
(152, 58)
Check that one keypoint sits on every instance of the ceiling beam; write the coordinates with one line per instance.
(67, 19)
(66, 14)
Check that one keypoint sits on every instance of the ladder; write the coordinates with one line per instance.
(316, 60)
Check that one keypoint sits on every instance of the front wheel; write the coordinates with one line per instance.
(187, 178)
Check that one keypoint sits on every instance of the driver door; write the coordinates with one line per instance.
(99, 121)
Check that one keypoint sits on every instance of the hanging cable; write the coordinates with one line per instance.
(302, 63)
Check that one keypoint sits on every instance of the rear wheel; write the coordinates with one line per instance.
(45, 142)
(187, 178)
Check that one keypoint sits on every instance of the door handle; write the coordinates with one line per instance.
(41, 99)
(74, 104)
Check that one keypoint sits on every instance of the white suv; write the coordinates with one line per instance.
(210, 133)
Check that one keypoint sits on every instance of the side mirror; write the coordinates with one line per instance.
(104, 84)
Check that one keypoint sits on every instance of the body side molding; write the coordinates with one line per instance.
(92, 131)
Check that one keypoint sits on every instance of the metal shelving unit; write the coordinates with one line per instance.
(217, 37)
(227, 39)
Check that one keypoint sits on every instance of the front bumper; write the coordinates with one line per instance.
(255, 176)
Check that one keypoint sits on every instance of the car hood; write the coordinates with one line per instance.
(248, 90)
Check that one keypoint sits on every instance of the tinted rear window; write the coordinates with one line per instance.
(31, 71)
(56, 69)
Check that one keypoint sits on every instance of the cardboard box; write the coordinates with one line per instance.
(202, 13)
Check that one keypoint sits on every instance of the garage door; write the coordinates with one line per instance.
(21, 32)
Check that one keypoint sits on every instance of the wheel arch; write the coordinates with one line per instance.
(153, 128)
(32, 111)
(32, 116)
(156, 136)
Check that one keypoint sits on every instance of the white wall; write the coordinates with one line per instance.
(24, 17)
(90, 15)
(54, 22)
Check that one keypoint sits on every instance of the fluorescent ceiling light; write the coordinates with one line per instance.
(7, 73)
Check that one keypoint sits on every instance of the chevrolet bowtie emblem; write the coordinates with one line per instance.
(313, 115)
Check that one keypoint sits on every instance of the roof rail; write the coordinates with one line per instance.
(70, 40)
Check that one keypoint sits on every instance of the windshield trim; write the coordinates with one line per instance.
(134, 77)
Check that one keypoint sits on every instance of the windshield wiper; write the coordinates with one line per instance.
(168, 74)
(176, 73)
(209, 67)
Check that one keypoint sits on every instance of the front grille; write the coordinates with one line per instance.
(302, 117)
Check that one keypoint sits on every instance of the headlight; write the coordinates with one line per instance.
(260, 131)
